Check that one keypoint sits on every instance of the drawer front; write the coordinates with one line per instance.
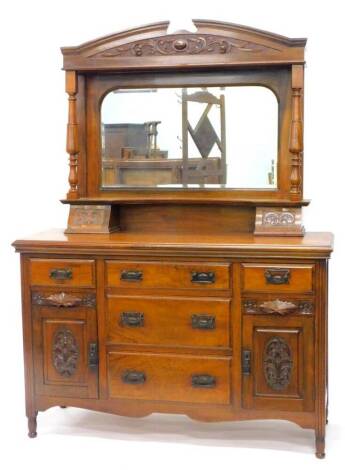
(277, 278)
(168, 321)
(167, 275)
(169, 377)
(62, 272)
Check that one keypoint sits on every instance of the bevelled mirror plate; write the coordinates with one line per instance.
(208, 137)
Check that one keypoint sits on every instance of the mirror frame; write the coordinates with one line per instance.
(216, 54)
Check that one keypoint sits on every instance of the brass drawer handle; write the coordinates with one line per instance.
(203, 381)
(203, 277)
(277, 276)
(203, 322)
(131, 276)
(133, 377)
(61, 274)
(132, 319)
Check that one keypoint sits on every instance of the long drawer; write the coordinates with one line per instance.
(169, 377)
(167, 275)
(201, 322)
(277, 278)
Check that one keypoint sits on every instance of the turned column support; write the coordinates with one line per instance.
(72, 146)
(296, 133)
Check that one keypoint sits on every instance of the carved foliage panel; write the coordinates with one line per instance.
(279, 362)
(64, 351)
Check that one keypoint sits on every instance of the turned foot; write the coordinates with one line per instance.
(320, 447)
(32, 425)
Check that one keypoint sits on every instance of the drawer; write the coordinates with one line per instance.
(277, 278)
(66, 272)
(174, 378)
(201, 322)
(167, 275)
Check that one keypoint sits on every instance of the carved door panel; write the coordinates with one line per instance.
(278, 363)
(65, 344)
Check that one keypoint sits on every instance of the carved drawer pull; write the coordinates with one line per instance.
(278, 307)
(277, 276)
(203, 381)
(203, 277)
(203, 322)
(131, 276)
(132, 319)
(133, 377)
(63, 300)
(61, 274)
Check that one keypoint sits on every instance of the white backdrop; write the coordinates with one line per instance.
(33, 113)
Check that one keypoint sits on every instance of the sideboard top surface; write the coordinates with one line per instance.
(313, 244)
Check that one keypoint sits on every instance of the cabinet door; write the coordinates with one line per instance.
(65, 345)
(278, 363)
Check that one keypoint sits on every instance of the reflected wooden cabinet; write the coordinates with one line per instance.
(185, 281)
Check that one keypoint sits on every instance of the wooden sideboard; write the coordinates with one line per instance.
(223, 327)
(175, 288)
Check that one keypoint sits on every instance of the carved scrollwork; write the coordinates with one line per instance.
(277, 363)
(184, 44)
(62, 299)
(278, 218)
(65, 352)
(278, 307)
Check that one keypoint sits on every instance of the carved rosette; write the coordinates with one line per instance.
(184, 44)
(65, 352)
(277, 363)
(278, 218)
(279, 221)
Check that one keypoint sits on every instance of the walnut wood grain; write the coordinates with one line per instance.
(167, 275)
(168, 321)
(278, 278)
(169, 377)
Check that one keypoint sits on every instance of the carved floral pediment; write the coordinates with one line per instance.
(225, 43)
(184, 44)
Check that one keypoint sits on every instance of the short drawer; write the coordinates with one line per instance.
(66, 272)
(167, 275)
(201, 322)
(277, 278)
(174, 378)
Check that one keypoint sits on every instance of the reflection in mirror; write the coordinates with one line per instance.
(177, 137)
